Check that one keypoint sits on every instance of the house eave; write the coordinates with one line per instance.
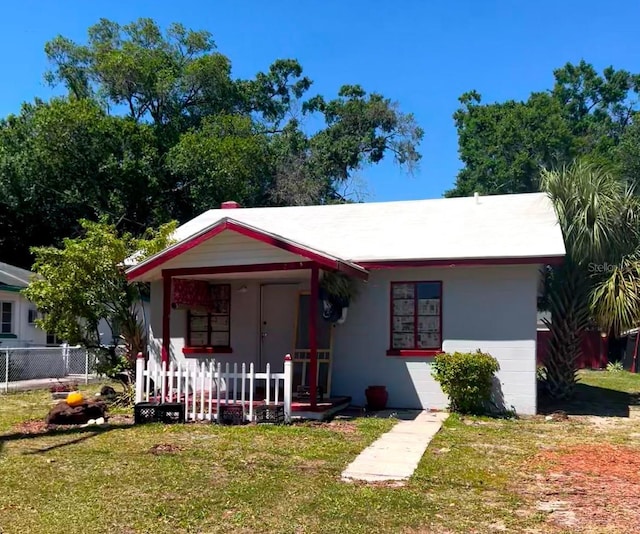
(324, 260)
(461, 262)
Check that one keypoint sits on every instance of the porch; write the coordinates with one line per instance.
(235, 394)
(245, 297)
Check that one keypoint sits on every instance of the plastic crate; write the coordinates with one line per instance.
(165, 412)
(270, 413)
(231, 414)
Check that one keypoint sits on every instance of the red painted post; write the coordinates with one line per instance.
(166, 317)
(313, 335)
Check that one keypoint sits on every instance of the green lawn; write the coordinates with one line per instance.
(475, 477)
(614, 381)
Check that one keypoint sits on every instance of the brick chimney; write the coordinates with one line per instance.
(229, 205)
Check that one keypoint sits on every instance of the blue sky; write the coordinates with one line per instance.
(423, 54)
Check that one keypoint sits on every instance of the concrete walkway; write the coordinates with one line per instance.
(396, 454)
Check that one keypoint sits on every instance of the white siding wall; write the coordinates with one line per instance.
(245, 328)
(490, 308)
(231, 248)
(27, 334)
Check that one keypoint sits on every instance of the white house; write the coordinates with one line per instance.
(434, 275)
(17, 314)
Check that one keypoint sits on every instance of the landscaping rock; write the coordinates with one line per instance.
(63, 414)
(108, 392)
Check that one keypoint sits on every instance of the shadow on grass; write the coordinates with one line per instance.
(591, 400)
(357, 412)
(88, 432)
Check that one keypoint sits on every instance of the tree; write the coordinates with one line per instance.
(599, 280)
(154, 128)
(173, 77)
(586, 115)
(62, 161)
(83, 283)
(228, 157)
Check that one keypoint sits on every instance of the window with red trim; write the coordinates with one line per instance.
(211, 328)
(416, 318)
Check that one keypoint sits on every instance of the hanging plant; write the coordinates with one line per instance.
(338, 285)
(337, 290)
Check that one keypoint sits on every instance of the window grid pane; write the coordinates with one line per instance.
(415, 315)
(212, 328)
(6, 318)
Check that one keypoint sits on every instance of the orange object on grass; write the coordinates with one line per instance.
(75, 398)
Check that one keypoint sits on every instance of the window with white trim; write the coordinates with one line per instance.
(6, 317)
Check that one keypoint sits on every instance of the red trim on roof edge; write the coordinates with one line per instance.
(323, 261)
(467, 262)
(320, 259)
(176, 250)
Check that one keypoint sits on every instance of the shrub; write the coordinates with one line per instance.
(467, 379)
(615, 367)
(541, 373)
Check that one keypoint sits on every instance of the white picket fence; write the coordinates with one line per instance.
(204, 388)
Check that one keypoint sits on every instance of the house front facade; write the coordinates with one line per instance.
(245, 285)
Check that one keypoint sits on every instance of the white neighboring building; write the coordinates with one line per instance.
(17, 314)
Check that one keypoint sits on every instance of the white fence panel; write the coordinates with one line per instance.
(195, 387)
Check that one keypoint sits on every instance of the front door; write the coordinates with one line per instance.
(277, 320)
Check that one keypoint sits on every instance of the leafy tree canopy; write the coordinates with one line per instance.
(586, 115)
(155, 128)
(83, 283)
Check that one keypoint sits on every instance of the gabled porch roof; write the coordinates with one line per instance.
(151, 268)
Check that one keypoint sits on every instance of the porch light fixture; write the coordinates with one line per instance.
(243, 289)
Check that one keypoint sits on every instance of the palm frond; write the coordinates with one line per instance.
(615, 300)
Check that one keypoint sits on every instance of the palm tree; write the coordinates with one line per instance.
(599, 281)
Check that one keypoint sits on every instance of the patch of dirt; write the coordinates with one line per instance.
(164, 448)
(344, 427)
(31, 427)
(119, 419)
(590, 486)
(311, 465)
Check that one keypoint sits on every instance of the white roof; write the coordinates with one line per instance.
(11, 275)
(498, 226)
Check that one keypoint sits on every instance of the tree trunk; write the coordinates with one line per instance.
(569, 320)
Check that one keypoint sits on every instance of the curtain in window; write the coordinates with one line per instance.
(191, 294)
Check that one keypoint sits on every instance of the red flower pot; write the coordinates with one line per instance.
(377, 397)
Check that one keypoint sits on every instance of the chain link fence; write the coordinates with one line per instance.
(28, 366)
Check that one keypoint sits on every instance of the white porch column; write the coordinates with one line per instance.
(288, 384)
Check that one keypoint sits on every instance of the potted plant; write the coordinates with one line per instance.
(377, 397)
